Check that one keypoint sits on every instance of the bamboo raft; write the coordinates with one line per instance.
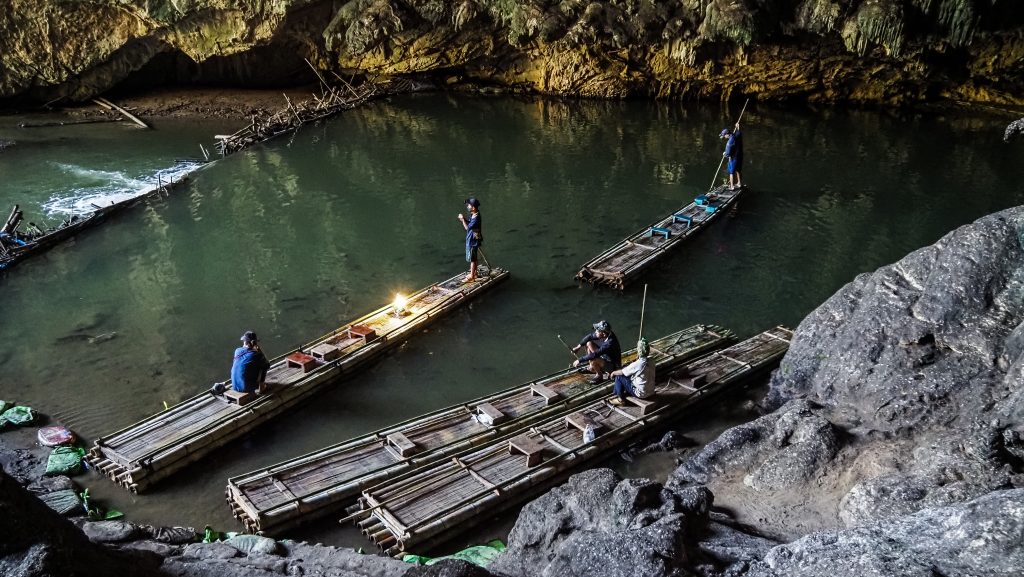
(142, 454)
(298, 490)
(619, 265)
(421, 506)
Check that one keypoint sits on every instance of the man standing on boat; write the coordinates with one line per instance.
(636, 378)
(734, 152)
(249, 368)
(474, 236)
(603, 351)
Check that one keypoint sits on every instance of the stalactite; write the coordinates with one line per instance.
(876, 22)
(818, 16)
(959, 18)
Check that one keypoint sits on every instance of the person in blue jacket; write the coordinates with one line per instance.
(604, 354)
(734, 152)
(474, 235)
(249, 367)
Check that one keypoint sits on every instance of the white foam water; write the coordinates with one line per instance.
(100, 188)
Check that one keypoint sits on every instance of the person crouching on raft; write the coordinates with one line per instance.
(603, 351)
(474, 235)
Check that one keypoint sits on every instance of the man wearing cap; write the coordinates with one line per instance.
(603, 351)
(474, 236)
(249, 369)
(636, 378)
(734, 152)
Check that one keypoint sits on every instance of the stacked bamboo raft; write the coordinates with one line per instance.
(292, 116)
(620, 264)
(298, 490)
(142, 454)
(419, 507)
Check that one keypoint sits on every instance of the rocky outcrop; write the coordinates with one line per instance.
(904, 392)
(598, 524)
(891, 51)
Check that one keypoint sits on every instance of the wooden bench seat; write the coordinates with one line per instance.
(238, 397)
(549, 395)
(527, 446)
(645, 405)
(489, 414)
(691, 383)
(302, 360)
(402, 444)
(362, 332)
(325, 352)
(580, 421)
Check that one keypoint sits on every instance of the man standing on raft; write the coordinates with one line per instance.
(474, 236)
(734, 152)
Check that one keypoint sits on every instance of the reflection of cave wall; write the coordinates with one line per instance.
(262, 67)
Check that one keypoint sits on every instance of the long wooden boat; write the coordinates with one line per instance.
(425, 505)
(620, 264)
(298, 490)
(16, 246)
(139, 455)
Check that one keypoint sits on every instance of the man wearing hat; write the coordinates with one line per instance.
(474, 235)
(249, 369)
(603, 351)
(734, 152)
(636, 378)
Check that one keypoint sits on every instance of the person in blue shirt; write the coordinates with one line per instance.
(474, 235)
(604, 354)
(249, 368)
(734, 152)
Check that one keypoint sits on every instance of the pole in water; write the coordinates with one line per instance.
(720, 162)
(568, 348)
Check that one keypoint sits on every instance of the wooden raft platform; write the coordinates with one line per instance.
(620, 264)
(139, 455)
(420, 507)
(296, 491)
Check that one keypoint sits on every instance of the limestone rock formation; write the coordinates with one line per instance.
(889, 51)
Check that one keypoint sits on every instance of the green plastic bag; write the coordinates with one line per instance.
(17, 415)
(65, 461)
(481, 555)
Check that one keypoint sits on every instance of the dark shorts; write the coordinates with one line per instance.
(471, 252)
(735, 165)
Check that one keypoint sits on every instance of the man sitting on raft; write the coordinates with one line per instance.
(249, 368)
(635, 379)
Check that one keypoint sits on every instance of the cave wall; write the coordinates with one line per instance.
(883, 51)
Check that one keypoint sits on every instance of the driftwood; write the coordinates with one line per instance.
(292, 116)
(110, 105)
(12, 221)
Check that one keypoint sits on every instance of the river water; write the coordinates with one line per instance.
(295, 236)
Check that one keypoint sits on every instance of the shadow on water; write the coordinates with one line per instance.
(296, 236)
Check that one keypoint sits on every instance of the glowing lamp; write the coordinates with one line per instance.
(399, 304)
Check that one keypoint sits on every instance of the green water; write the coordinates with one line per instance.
(294, 237)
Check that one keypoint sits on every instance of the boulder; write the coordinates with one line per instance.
(111, 531)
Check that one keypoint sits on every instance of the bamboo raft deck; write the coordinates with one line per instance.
(419, 507)
(139, 455)
(296, 491)
(619, 265)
